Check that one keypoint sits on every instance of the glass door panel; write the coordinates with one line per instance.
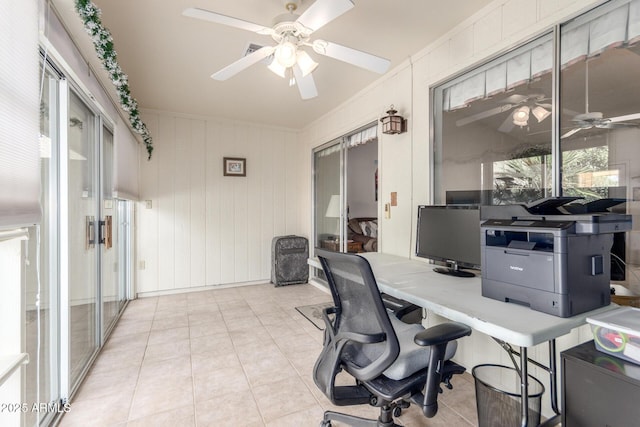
(111, 292)
(83, 234)
(327, 194)
(41, 284)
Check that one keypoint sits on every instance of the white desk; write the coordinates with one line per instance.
(460, 299)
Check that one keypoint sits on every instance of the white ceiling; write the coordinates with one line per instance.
(169, 58)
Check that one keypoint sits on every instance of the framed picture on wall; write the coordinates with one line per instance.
(234, 166)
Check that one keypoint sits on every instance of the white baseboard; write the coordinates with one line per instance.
(198, 289)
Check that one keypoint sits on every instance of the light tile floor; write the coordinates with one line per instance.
(225, 357)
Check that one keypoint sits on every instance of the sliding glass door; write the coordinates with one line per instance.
(97, 238)
(328, 195)
(110, 231)
(345, 191)
(40, 290)
(77, 260)
(83, 235)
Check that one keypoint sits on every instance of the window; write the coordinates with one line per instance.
(493, 130)
(497, 139)
(600, 98)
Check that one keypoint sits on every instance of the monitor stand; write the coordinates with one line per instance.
(454, 271)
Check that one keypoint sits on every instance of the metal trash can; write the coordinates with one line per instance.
(499, 405)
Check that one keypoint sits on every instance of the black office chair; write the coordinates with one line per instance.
(393, 363)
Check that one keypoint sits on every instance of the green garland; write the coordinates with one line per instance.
(103, 42)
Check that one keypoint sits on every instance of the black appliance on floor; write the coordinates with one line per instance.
(598, 389)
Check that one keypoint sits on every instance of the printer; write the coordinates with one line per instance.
(552, 255)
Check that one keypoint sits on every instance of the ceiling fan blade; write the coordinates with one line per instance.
(306, 84)
(624, 118)
(352, 56)
(507, 125)
(484, 114)
(322, 12)
(206, 15)
(516, 98)
(243, 63)
(609, 125)
(570, 113)
(571, 132)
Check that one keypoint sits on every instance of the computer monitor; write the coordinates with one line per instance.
(450, 234)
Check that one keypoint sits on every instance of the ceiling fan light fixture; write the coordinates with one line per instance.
(290, 32)
(277, 68)
(540, 113)
(286, 54)
(521, 116)
(306, 64)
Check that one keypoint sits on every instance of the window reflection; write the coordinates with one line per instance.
(493, 125)
(521, 179)
(493, 139)
(600, 125)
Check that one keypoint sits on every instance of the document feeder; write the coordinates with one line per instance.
(548, 256)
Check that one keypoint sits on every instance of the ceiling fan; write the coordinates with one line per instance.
(596, 119)
(292, 32)
(522, 106)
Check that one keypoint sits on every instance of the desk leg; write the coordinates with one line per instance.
(524, 386)
(553, 376)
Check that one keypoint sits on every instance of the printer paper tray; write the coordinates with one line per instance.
(532, 269)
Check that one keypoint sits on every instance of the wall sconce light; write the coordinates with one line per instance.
(392, 123)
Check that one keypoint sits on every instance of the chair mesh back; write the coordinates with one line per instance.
(361, 311)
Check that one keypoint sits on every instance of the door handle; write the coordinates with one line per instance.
(90, 240)
(106, 232)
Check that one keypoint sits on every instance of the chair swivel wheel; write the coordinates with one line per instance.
(325, 423)
(397, 411)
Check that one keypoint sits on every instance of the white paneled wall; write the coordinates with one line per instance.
(196, 227)
(404, 159)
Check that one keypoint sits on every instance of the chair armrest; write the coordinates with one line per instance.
(351, 336)
(442, 333)
(437, 338)
(361, 338)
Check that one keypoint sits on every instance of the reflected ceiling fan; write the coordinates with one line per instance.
(522, 106)
(596, 119)
(291, 33)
